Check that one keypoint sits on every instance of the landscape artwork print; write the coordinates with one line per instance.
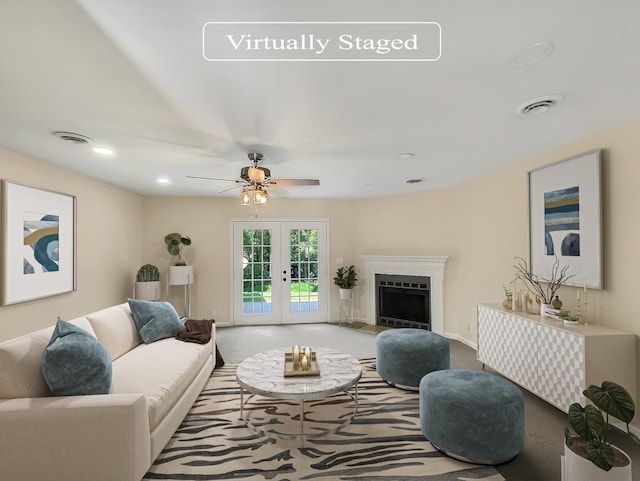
(38, 243)
(562, 222)
(565, 224)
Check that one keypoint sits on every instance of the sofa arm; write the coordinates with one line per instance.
(69, 438)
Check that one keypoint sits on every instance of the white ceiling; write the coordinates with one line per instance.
(130, 74)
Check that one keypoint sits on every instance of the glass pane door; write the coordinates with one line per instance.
(305, 300)
(280, 272)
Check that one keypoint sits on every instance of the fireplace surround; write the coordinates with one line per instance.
(429, 266)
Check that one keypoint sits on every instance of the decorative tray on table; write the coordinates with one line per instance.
(290, 370)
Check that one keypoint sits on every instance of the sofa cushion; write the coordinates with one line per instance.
(75, 363)
(155, 320)
(21, 362)
(161, 371)
(115, 329)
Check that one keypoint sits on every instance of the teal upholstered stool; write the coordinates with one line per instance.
(474, 416)
(403, 356)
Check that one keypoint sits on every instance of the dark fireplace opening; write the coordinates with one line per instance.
(403, 301)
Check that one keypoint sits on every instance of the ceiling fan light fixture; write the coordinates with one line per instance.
(255, 174)
(245, 197)
(260, 196)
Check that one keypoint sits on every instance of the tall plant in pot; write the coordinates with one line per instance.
(346, 279)
(589, 456)
(147, 283)
(175, 243)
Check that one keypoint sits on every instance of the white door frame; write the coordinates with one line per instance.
(280, 288)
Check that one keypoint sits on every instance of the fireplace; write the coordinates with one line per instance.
(403, 301)
(428, 266)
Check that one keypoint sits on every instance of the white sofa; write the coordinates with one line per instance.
(110, 437)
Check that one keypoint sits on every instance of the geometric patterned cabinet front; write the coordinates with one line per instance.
(554, 361)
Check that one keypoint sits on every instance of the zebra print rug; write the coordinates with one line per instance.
(383, 442)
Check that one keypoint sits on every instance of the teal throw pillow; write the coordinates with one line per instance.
(75, 363)
(155, 320)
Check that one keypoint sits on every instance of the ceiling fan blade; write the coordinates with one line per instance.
(231, 188)
(277, 190)
(293, 182)
(212, 178)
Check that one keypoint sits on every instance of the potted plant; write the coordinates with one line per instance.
(180, 274)
(147, 283)
(534, 283)
(346, 279)
(174, 242)
(588, 455)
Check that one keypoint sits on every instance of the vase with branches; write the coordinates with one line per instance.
(542, 287)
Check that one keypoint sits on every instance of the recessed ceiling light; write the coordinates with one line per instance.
(163, 180)
(103, 150)
(368, 185)
(406, 155)
(539, 105)
(414, 181)
(532, 53)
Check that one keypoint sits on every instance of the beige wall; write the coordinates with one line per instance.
(208, 223)
(108, 250)
(482, 225)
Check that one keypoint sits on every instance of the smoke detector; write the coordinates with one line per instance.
(539, 105)
(72, 137)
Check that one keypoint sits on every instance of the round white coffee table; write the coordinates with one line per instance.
(263, 375)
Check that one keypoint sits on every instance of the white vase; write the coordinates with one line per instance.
(148, 291)
(346, 294)
(576, 468)
(543, 309)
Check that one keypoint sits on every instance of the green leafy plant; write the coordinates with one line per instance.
(148, 273)
(346, 277)
(591, 427)
(174, 242)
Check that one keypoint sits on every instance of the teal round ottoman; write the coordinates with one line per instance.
(473, 416)
(403, 356)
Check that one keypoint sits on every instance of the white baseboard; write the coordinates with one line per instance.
(466, 342)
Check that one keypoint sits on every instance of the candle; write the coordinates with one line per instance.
(578, 296)
(296, 355)
(307, 352)
(305, 363)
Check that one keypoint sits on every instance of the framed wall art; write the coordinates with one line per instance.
(565, 219)
(38, 243)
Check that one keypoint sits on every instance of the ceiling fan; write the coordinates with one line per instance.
(255, 178)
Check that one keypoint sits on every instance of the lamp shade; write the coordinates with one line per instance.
(180, 275)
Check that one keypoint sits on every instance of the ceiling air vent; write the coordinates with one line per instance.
(72, 137)
(539, 105)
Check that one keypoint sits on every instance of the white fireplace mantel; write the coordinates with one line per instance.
(429, 266)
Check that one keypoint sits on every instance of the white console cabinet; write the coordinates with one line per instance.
(554, 361)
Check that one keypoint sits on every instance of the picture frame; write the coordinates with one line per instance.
(37, 243)
(565, 219)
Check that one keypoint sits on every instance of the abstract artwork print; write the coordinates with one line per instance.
(41, 249)
(562, 221)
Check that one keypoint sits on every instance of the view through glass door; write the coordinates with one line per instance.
(280, 272)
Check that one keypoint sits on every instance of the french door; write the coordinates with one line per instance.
(280, 272)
